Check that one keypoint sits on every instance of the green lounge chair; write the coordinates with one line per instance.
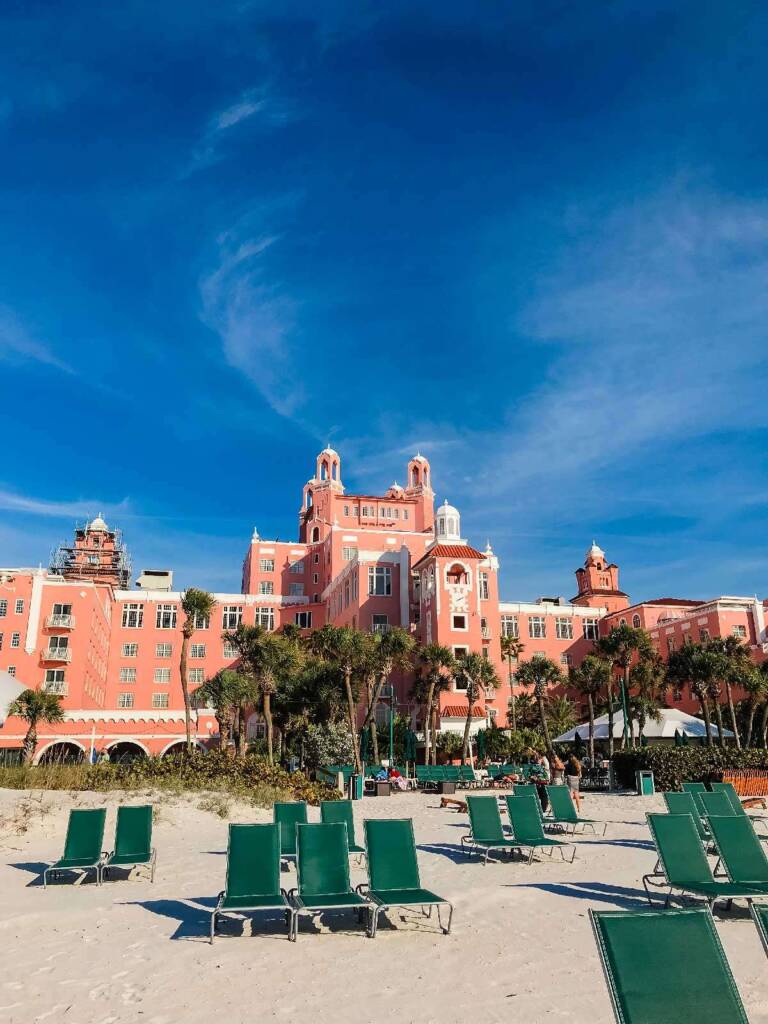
(735, 800)
(760, 917)
(393, 872)
(83, 845)
(694, 787)
(288, 816)
(685, 865)
(527, 829)
(684, 803)
(715, 804)
(133, 841)
(485, 829)
(641, 956)
(341, 810)
(322, 866)
(564, 811)
(740, 850)
(253, 874)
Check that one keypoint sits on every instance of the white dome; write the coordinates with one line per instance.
(447, 510)
(448, 523)
(98, 525)
(595, 551)
(329, 451)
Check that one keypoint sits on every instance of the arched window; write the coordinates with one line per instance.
(415, 476)
(636, 621)
(309, 499)
(324, 469)
(315, 534)
(622, 622)
(335, 470)
(426, 477)
(457, 574)
(452, 526)
(441, 526)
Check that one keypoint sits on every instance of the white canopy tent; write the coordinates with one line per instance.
(671, 721)
(10, 688)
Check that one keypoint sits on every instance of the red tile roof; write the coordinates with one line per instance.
(451, 551)
(459, 711)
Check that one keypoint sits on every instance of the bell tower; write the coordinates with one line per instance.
(420, 488)
(598, 582)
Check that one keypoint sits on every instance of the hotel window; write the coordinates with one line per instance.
(589, 629)
(16, 640)
(162, 675)
(459, 622)
(671, 644)
(267, 587)
(739, 631)
(163, 650)
(133, 616)
(346, 510)
(19, 608)
(61, 610)
(195, 675)
(346, 593)
(703, 635)
(265, 617)
(3, 609)
(1, 641)
(397, 513)
(380, 624)
(166, 616)
(565, 659)
(405, 513)
(230, 651)
(296, 590)
(11, 670)
(460, 652)
(266, 565)
(202, 621)
(159, 700)
(363, 510)
(303, 620)
(197, 650)
(93, 559)
(537, 627)
(130, 650)
(483, 585)
(315, 558)
(348, 554)
(127, 675)
(54, 681)
(636, 621)
(231, 616)
(315, 578)
(510, 626)
(564, 629)
(296, 567)
(125, 700)
(380, 580)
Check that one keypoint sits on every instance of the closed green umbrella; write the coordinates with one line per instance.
(365, 744)
(684, 738)
(480, 738)
(410, 745)
(643, 740)
(678, 738)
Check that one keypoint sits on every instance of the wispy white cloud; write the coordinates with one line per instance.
(17, 343)
(253, 316)
(78, 509)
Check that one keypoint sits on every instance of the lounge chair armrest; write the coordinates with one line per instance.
(362, 889)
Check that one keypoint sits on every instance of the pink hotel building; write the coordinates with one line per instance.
(367, 561)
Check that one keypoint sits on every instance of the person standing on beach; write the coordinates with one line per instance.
(543, 777)
(574, 780)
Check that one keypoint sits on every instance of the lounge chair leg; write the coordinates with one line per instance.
(45, 879)
(450, 919)
(213, 925)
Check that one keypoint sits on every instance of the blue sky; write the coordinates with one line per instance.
(529, 240)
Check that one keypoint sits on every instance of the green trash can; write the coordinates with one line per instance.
(355, 787)
(644, 783)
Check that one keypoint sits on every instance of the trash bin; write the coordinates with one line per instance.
(446, 787)
(644, 783)
(355, 787)
(382, 788)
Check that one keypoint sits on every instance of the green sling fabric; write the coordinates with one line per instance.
(288, 816)
(341, 810)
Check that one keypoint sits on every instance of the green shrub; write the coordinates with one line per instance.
(247, 777)
(330, 743)
(671, 766)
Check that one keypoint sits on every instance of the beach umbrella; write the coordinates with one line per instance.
(365, 744)
(684, 739)
(578, 742)
(480, 737)
(678, 738)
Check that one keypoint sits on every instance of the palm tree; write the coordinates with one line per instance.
(541, 673)
(648, 680)
(527, 712)
(620, 647)
(34, 707)
(392, 653)
(561, 714)
(695, 667)
(590, 678)
(197, 606)
(344, 648)
(474, 674)
(435, 664)
(220, 692)
(733, 658)
(763, 669)
(266, 658)
(755, 685)
(511, 649)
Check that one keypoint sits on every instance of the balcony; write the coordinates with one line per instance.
(381, 628)
(60, 622)
(57, 654)
(486, 633)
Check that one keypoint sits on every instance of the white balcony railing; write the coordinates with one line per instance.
(486, 633)
(60, 689)
(57, 654)
(60, 622)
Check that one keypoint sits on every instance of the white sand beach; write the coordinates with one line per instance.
(521, 947)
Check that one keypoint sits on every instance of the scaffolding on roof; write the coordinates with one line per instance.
(69, 560)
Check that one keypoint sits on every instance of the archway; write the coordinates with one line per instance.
(62, 752)
(125, 751)
(178, 747)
